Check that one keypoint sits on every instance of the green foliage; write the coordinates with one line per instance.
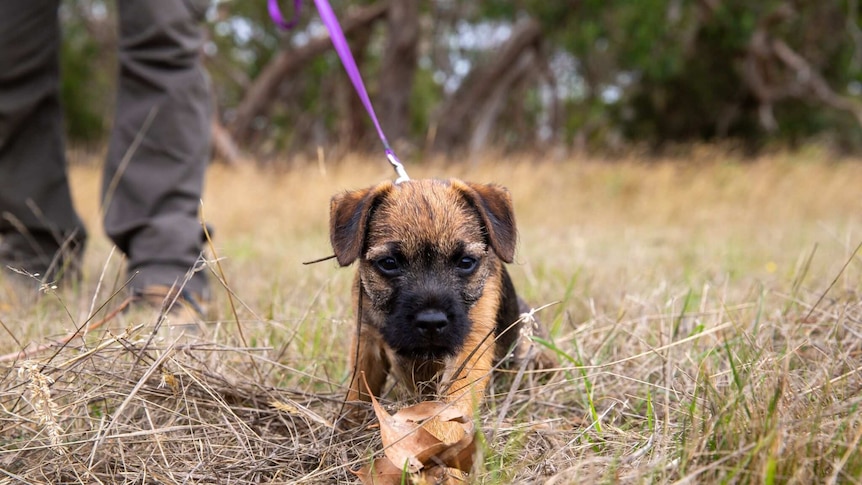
(652, 72)
(426, 95)
(687, 61)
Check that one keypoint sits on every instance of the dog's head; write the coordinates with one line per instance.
(426, 249)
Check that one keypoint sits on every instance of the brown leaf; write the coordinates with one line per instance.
(440, 475)
(407, 442)
(427, 449)
(459, 454)
(380, 472)
(428, 409)
(404, 440)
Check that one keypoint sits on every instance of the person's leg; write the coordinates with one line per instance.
(160, 143)
(40, 231)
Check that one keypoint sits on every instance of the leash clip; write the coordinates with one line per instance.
(398, 166)
(343, 50)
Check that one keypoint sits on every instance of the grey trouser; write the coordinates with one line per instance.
(159, 145)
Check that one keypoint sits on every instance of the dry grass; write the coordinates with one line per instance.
(707, 318)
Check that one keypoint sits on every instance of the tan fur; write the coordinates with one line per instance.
(448, 215)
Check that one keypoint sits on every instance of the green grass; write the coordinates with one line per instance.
(706, 316)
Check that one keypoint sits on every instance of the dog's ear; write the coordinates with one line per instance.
(494, 205)
(348, 220)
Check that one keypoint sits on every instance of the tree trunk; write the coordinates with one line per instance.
(487, 117)
(263, 90)
(352, 119)
(454, 121)
(224, 147)
(773, 71)
(399, 68)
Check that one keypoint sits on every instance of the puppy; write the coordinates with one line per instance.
(435, 304)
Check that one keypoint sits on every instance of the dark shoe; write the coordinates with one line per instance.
(182, 312)
(41, 257)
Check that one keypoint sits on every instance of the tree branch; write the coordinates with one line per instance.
(258, 97)
(454, 118)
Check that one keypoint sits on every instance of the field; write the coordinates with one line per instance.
(706, 313)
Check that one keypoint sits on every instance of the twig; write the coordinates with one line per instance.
(26, 353)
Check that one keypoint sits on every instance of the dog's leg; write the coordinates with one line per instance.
(368, 360)
(367, 357)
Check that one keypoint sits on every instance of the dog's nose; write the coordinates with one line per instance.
(431, 321)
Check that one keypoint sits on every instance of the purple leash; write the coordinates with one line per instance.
(340, 43)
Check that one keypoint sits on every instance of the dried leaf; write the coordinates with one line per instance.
(457, 455)
(380, 472)
(407, 443)
(424, 410)
(460, 455)
(440, 475)
(404, 440)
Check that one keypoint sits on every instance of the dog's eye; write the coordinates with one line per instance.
(388, 265)
(467, 264)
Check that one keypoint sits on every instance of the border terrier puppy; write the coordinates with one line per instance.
(434, 302)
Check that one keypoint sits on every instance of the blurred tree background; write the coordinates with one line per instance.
(459, 77)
